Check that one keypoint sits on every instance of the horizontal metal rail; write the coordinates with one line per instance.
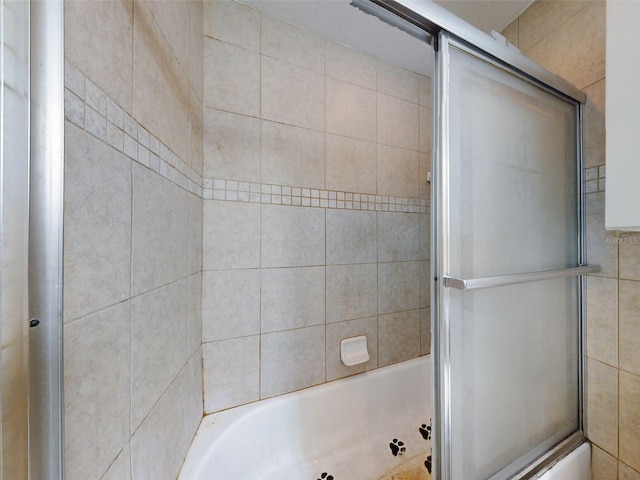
(503, 280)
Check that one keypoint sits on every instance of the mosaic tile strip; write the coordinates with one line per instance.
(88, 107)
(236, 191)
(594, 179)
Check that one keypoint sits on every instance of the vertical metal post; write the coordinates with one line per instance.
(46, 240)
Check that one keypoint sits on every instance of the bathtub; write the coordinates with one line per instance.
(362, 427)
(347, 429)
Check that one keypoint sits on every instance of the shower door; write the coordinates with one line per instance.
(507, 266)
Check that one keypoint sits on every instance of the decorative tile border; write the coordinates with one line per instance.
(88, 107)
(237, 191)
(594, 179)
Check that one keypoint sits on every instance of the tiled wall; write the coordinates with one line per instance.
(133, 237)
(315, 207)
(569, 39)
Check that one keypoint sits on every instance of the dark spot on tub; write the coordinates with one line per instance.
(325, 476)
(397, 447)
(427, 463)
(425, 430)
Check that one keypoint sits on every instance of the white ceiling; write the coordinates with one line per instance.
(339, 21)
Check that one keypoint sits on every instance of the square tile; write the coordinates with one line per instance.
(398, 337)
(231, 78)
(398, 286)
(398, 236)
(291, 360)
(231, 235)
(292, 95)
(231, 373)
(398, 171)
(344, 63)
(233, 23)
(602, 406)
(350, 110)
(630, 420)
(292, 236)
(629, 322)
(350, 164)
(292, 298)
(351, 237)
(230, 304)
(399, 82)
(292, 155)
(288, 42)
(398, 123)
(351, 291)
(602, 319)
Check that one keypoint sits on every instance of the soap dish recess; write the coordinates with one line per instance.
(353, 351)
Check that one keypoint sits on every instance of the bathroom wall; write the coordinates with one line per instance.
(315, 207)
(569, 39)
(132, 240)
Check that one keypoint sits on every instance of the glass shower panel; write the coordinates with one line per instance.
(512, 204)
(513, 173)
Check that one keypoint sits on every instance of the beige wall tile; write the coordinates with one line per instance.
(594, 137)
(425, 92)
(97, 225)
(231, 146)
(350, 110)
(425, 331)
(160, 248)
(231, 78)
(575, 51)
(350, 164)
(161, 92)
(351, 291)
(626, 473)
(292, 95)
(426, 128)
(602, 406)
(97, 384)
(630, 420)
(231, 373)
(350, 65)
(196, 47)
(398, 337)
(603, 465)
(425, 284)
(292, 236)
(602, 319)
(173, 18)
(98, 39)
(398, 236)
(232, 23)
(630, 256)
(352, 328)
(398, 82)
(196, 133)
(425, 236)
(120, 469)
(230, 304)
(630, 326)
(291, 43)
(291, 298)
(351, 237)
(194, 327)
(510, 32)
(159, 446)
(426, 167)
(602, 244)
(398, 286)
(196, 399)
(291, 360)
(398, 171)
(398, 123)
(542, 18)
(194, 240)
(231, 235)
(158, 337)
(292, 155)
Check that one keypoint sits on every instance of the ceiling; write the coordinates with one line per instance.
(339, 21)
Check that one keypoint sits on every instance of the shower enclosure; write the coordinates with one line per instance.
(507, 257)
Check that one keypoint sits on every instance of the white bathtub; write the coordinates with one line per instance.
(343, 429)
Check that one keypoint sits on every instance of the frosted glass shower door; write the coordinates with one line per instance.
(509, 259)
